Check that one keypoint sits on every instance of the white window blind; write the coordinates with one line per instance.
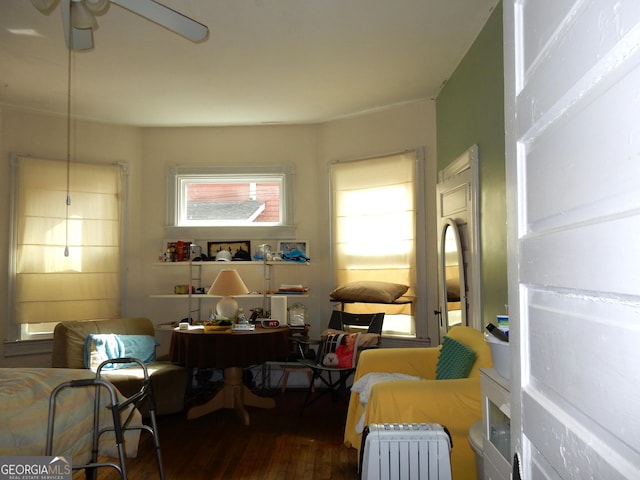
(374, 229)
(47, 285)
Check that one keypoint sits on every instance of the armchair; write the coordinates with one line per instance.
(169, 381)
(455, 403)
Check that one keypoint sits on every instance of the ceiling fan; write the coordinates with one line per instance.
(79, 18)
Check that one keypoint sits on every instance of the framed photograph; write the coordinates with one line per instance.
(177, 250)
(293, 247)
(240, 250)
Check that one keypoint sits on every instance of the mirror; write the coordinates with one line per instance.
(453, 298)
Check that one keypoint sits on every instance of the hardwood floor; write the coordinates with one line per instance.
(279, 444)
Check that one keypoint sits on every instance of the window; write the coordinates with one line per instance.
(219, 196)
(47, 284)
(374, 228)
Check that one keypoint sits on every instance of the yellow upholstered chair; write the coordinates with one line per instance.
(455, 404)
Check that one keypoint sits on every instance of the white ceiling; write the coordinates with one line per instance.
(265, 61)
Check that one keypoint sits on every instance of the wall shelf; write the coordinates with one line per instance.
(222, 264)
(192, 273)
(205, 296)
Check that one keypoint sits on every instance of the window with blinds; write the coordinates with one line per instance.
(374, 229)
(66, 258)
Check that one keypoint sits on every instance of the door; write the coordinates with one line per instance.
(572, 101)
(458, 250)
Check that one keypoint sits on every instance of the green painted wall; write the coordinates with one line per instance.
(470, 110)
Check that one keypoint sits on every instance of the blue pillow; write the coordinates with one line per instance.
(99, 347)
(455, 360)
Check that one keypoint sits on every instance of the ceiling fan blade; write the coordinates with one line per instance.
(45, 6)
(168, 18)
(75, 38)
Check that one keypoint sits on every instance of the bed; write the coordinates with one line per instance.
(24, 396)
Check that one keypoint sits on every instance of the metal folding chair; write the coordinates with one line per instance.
(142, 398)
(335, 378)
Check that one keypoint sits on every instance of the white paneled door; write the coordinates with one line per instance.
(457, 202)
(572, 99)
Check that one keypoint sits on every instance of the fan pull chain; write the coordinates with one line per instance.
(68, 200)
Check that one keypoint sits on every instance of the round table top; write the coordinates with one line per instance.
(194, 348)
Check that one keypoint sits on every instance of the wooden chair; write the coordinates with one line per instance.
(363, 329)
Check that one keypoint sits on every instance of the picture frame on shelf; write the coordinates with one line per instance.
(176, 250)
(239, 250)
(294, 250)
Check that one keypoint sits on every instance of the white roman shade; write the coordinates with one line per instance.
(374, 224)
(52, 287)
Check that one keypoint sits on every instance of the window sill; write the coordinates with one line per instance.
(280, 232)
(28, 347)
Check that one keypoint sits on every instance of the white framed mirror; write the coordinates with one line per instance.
(453, 294)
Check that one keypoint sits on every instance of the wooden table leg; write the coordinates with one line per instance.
(234, 394)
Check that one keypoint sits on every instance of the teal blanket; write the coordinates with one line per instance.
(99, 347)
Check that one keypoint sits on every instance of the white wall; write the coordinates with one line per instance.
(165, 147)
(150, 150)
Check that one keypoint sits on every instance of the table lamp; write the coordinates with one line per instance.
(227, 284)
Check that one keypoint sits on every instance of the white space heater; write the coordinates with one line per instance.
(414, 451)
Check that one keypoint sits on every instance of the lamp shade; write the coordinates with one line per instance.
(226, 284)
